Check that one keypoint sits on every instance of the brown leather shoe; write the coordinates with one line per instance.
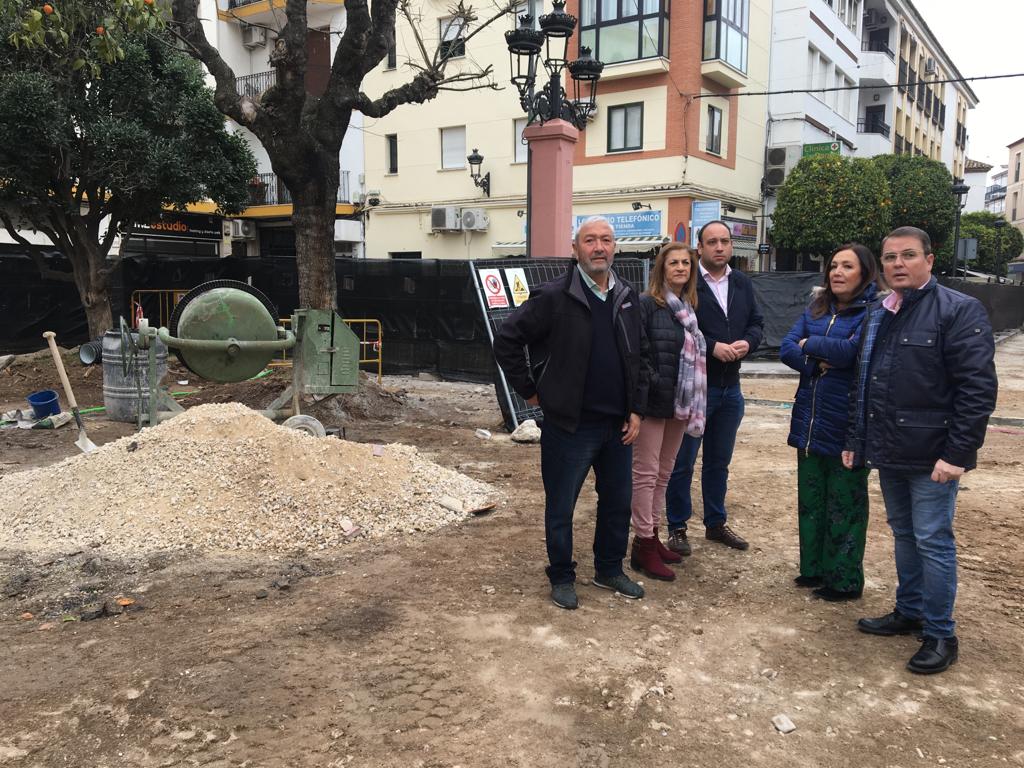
(678, 542)
(723, 534)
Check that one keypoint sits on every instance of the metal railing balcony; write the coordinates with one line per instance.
(878, 46)
(256, 84)
(268, 189)
(873, 126)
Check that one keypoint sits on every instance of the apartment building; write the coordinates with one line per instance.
(1015, 186)
(670, 130)
(855, 51)
(995, 193)
(243, 31)
(975, 177)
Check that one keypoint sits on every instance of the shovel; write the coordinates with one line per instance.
(83, 442)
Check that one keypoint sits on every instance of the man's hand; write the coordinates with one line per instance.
(535, 400)
(741, 348)
(848, 459)
(801, 343)
(724, 352)
(630, 428)
(944, 472)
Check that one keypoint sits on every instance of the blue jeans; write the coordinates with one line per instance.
(920, 513)
(725, 412)
(565, 460)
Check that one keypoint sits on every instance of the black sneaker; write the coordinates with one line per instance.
(808, 581)
(678, 542)
(564, 596)
(937, 654)
(836, 595)
(620, 584)
(894, 623)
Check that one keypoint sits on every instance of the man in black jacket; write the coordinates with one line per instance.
(733, 327)
(584, 370)
(924, 389)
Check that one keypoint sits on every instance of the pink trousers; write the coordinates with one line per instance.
(654, 456)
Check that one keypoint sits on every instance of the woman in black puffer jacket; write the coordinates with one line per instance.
(676, 398)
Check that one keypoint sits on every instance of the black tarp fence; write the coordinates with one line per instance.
(429, 309)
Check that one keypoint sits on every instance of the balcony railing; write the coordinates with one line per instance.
(873, 125)
(256, 84)
(240, 3)
(878, 46)
(268, 189)
(995, 192)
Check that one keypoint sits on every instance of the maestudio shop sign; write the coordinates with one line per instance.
(184, 226)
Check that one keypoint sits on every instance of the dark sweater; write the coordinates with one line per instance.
(604, 392)
(744, 321)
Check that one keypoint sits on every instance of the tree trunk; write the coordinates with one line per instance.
(313, 183)
(314, 253)
(92, 279)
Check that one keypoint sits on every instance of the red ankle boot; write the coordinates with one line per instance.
(644, 558)
(666, 554)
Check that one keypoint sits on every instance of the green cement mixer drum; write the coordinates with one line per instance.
(219, 311)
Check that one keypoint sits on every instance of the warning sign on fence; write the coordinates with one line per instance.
(494, 288)
(516, 278)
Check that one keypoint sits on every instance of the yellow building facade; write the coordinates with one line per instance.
(669, 130)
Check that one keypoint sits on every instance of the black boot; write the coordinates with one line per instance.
(937, 654)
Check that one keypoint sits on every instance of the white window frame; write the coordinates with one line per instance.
(453, 154)
(520, 151)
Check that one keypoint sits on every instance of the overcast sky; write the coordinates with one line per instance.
(985, 37)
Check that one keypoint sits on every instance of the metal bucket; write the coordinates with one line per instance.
(120, 391)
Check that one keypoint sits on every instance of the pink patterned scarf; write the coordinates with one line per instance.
(692, 382)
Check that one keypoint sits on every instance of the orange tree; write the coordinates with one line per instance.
(921, 191)
(103, 124)
(828, 200)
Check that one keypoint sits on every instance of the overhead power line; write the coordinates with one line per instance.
(909, 84)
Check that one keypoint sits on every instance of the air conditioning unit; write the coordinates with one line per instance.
(870, 18)
(475, 219)
(253, 36)
(243, 229)
(778, 163)
(929, 66)
(445, 218)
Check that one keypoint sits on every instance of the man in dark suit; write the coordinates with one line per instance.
(733, 327)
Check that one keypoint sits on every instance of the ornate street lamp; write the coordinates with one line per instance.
(551, 102)
(475, 160)
(959, 190)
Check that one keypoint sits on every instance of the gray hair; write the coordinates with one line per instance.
(592, 220)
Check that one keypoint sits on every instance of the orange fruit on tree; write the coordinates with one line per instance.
(100, 30)
(47, 9)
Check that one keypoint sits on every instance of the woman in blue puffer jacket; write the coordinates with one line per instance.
(832, 500)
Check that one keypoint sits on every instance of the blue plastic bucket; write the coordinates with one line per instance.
(44, 403)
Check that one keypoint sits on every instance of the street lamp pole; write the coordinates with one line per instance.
(553, 119)
(959, 190)
(999, 224)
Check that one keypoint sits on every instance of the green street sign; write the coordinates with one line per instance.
(825, 148)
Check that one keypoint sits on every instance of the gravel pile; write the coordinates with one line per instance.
(223, 477)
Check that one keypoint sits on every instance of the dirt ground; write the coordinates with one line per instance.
(442, 650)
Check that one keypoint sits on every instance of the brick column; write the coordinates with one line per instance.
(549, 203)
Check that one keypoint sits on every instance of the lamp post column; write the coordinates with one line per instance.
(550, 194)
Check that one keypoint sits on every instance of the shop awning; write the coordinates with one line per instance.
(629, 244)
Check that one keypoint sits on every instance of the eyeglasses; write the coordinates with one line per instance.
(905, 256)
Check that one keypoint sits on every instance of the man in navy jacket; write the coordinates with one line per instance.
(924, 389)
(585, 370)
(733, 327)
